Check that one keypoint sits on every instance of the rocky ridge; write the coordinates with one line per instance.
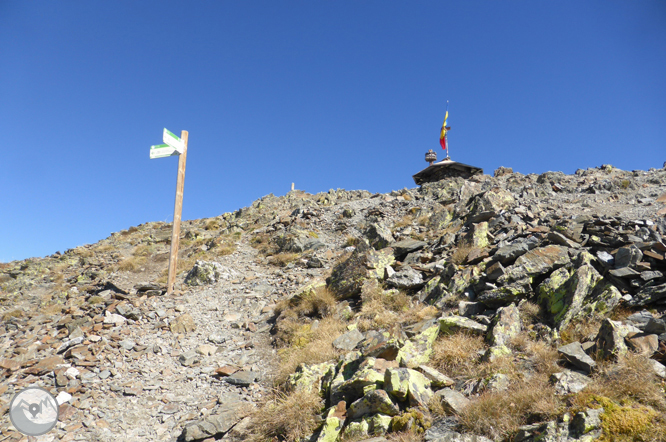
(93, 325)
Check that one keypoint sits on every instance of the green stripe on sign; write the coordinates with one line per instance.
(170, 133)
(160, 146)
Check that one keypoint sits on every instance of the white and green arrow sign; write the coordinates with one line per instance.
(161, 151)
(173, 141)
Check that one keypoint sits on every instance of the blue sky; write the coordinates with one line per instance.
(325, 94)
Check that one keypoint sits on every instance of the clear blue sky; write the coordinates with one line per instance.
(326, 94)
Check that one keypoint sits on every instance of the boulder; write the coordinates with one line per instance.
(567, 296)
(298, 241)
(493, 200)
(379, 235)
(347, 278)
(348, 341)
(436, 378)
(204, 272)
(452, 401)
(406, 278)
(574, 354)
(373, 402)
(642, 343)
(333, 423)
(418, 348)
(379, 345)
(610, 339)
(405, 383)
(505, 325)
(649, 295)
(506, 294)
(508, 254)
(318, 376)
(402, 248)
(536, 262)
(628, 256)
(568, 382)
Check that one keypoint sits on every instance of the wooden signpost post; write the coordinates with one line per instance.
(174, 146)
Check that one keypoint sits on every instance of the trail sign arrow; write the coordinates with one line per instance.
(161, 151)
(173, 141)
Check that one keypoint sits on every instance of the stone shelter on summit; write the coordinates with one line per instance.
(447, 168)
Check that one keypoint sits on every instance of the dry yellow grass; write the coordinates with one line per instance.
(499, 414)
(132, 264)
(310, 345)
(457, 354)
(581, 330)
(460, 255)
(389, 309)
(286, 417)
(403, 222)
(283, 259)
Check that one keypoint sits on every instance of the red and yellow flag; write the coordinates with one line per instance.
(442, 135)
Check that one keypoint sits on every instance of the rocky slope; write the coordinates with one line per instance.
(555, 282)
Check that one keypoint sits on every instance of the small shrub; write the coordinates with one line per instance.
(286, 417)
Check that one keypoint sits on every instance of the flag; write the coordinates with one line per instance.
(442, 135)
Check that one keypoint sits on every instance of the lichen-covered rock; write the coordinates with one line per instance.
(478, 236)
(318, 376)
(357, 429)
(348, 277)
(373, 402)
(204, 272)
(536, 262)
(506, 294)
(417, 350)
(367, 377)
(567, 296)
(405, 383)
(402, 248)
(298, 241)
(332, 425)
(505, 325)
(455, 324)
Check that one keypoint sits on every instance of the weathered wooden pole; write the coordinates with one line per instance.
(177, 212)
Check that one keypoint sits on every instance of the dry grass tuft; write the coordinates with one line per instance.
(499, 414)
(308, 344)
(630, 377)
(460, 255)
(457, 354)
(283, 259)
(403, 222)
(133, 264)
(387, 309)
(286, 417)
(530, 313)
(581, 330)
(12, 314)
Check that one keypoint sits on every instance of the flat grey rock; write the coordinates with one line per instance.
(575, 355)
